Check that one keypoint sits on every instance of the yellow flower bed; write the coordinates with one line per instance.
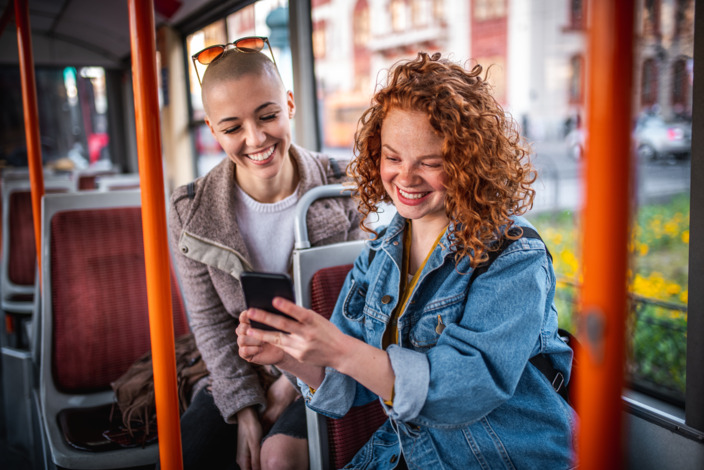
(660, 234)
(658, 283)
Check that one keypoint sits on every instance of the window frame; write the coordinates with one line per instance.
(694, 390)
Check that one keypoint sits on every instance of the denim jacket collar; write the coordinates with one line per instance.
(391, 241)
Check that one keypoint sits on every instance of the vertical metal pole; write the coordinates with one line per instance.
(606, 219)
(694, 395)
(31, 119)
(146, 103)
(301, 33)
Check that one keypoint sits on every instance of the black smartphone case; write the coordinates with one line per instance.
(260, 289)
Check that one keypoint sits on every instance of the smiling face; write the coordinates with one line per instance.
(412, 166)
(250, 118)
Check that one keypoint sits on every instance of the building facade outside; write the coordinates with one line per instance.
(535, 51)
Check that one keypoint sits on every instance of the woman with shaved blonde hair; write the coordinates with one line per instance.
(445, 312)
(240, 217)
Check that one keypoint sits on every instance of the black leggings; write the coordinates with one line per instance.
(209, 442)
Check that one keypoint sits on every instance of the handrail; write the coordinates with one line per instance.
(603, 304)
(635, 297)
(156, 251)
(319, 192)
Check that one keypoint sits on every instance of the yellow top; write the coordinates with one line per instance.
(406, 288)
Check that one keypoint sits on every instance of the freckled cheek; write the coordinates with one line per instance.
(441, 182)
(386, 175)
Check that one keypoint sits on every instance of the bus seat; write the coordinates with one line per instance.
(18, 265)
(94, 324)
(348, 434)
(117, 182)
(87, 179)
(318, 274)
(18, 174)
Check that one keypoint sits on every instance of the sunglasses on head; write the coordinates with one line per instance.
(247, 44)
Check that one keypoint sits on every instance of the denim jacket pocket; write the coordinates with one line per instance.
(353, 306)
(426, 331)
(382, 448)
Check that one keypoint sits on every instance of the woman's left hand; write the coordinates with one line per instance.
(252, 349)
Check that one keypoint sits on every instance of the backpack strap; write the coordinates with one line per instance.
(335, 168)
(554, 376)
(331, 166)
(503, 244)
(190, 192)
(541, 361)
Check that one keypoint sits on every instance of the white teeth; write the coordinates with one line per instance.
(261, 156)
(411, 195)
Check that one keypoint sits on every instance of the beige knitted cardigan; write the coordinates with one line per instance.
(210, 253)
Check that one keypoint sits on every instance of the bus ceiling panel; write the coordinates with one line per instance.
(86, 32)
(58, 51)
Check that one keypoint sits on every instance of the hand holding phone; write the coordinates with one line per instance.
(260, 289)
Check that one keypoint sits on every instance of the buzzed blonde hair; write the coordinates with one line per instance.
(233, 65)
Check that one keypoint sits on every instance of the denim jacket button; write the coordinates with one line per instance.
(386, 299)
(393, 458)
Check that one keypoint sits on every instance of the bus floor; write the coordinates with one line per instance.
(10, 458)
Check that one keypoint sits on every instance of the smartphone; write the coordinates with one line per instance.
(260, 289)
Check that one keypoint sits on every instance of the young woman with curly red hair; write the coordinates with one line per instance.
(447, 353)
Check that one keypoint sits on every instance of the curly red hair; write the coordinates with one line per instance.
(489, 174)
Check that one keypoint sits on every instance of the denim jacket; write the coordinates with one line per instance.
(465, 394)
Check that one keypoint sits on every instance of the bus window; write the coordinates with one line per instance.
(535, 56)
(264, 18)
(73, 117)
(662, 133)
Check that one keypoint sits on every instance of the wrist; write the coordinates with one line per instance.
(247, 415)
(287, 364)
(347, 355)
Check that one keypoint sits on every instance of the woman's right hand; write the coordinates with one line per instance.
(254, 350)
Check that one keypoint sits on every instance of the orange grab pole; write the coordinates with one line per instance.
(143, 51)
(606, 220)
(31, 119)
